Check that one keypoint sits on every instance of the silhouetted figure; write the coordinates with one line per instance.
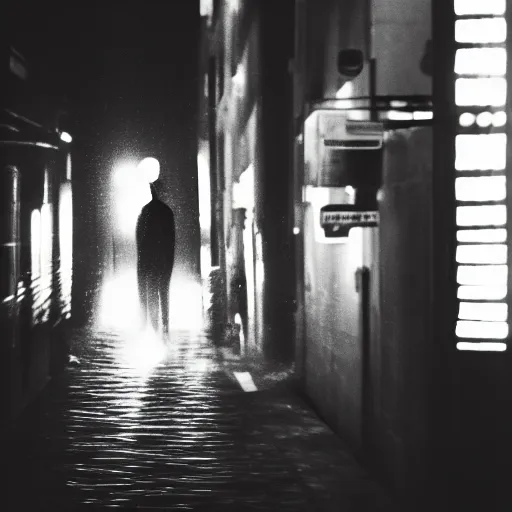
(155, 234)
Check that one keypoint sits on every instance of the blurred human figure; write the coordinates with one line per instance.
(155, 235)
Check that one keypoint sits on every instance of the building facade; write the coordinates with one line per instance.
(357, 153)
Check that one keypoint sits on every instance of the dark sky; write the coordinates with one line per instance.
(128, 69)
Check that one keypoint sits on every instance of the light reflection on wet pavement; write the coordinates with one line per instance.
(136, 424)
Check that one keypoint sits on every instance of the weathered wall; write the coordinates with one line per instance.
(401, 370)
(333, 346)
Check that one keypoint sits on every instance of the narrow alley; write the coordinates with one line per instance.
(140, 424)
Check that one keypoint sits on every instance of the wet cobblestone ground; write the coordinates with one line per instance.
(134, 424)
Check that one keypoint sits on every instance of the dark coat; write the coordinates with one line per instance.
(156, 237)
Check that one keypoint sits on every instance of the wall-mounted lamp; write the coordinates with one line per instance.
(65, 137)
(350, 63)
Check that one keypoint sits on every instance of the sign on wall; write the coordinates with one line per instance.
(338, 219)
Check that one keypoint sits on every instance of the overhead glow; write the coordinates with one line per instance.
(481, 152)
(66, 137)
(481, 30)
(482, 292)
(481, 347)
(482, 253)
(488, 275)
(150, 168)
(487, 311)
(481, 188)
(296, 230)
(481, 61)
(482, 235)
(481, 215)
(481, 92)
(481, 330)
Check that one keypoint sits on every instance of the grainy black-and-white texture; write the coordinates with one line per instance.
(135, 424)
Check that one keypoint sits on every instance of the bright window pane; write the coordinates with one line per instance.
(488, 275)
(482, 330)
(482, 235)
(481, 61)
(483, 311)
(485, 30)
(480, 152)
(467, 119)
(491, 254)
(482, 292)
(481, 215)
(465, 7)
(481, 91)
(499, 119)
(485, 188)
(35, 243)
(482, 347)
(484, 119)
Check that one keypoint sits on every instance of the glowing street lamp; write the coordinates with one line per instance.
(66, 137)
(150, 168)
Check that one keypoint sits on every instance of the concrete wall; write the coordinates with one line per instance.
(401, 28)
(401, 367)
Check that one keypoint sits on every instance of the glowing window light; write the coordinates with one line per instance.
(66, 241)
(482, 292)
(479, 31)
(481, 152)
(484, 119)
(484, 253)
(481, 330)
(484, 188)
(481, 215)
(499, 119)
(397, 115)
(203, 183)
(66, 137)
(489, 312)
(422, 115)
(481, 91)
(467, 119)
(482, 235)
(481, 347)
(488, 275)
(46, 246)
(466, 7)
(481, 61)
(35, 243)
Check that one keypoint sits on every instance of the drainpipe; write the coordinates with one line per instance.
(372, 69)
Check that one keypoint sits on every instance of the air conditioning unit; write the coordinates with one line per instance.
(339, 151)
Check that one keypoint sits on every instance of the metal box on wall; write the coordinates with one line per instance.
(340, 152)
